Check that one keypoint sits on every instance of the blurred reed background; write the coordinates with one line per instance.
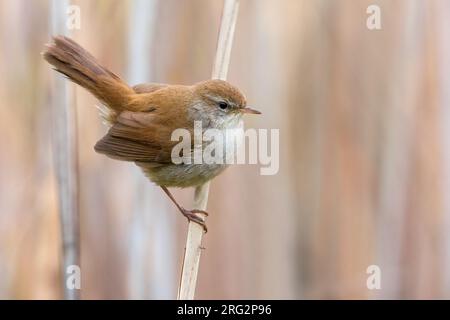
(364, 125)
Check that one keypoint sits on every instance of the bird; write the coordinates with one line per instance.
(142, 118)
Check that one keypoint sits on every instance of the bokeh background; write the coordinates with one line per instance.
(364, 175)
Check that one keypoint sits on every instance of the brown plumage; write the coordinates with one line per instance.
(142, 118)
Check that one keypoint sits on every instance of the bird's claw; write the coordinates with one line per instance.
(191, 215)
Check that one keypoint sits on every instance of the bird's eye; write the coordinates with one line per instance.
(223, 105)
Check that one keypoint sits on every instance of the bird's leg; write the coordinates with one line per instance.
(189, 214)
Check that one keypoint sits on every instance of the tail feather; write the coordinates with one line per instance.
(70, 59)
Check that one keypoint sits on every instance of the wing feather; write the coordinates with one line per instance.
(148, 87)
(137, 137)
(142, 132)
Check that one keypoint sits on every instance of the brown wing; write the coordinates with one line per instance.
(148, 87)
(143, 132)
(137, 137)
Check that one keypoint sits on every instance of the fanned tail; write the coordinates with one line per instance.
(70, 59)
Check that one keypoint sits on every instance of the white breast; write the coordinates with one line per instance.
(189, 175)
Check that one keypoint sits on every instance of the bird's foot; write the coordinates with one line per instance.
(191, 215)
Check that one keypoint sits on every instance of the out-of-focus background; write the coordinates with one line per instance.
(364, 175)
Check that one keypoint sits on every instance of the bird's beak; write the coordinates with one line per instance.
(250, 111)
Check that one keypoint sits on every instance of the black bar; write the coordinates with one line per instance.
(226, 309)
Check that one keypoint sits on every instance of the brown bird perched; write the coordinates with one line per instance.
(142, 118)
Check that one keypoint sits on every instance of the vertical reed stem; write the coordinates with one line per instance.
(64, 148)
(195, 232)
